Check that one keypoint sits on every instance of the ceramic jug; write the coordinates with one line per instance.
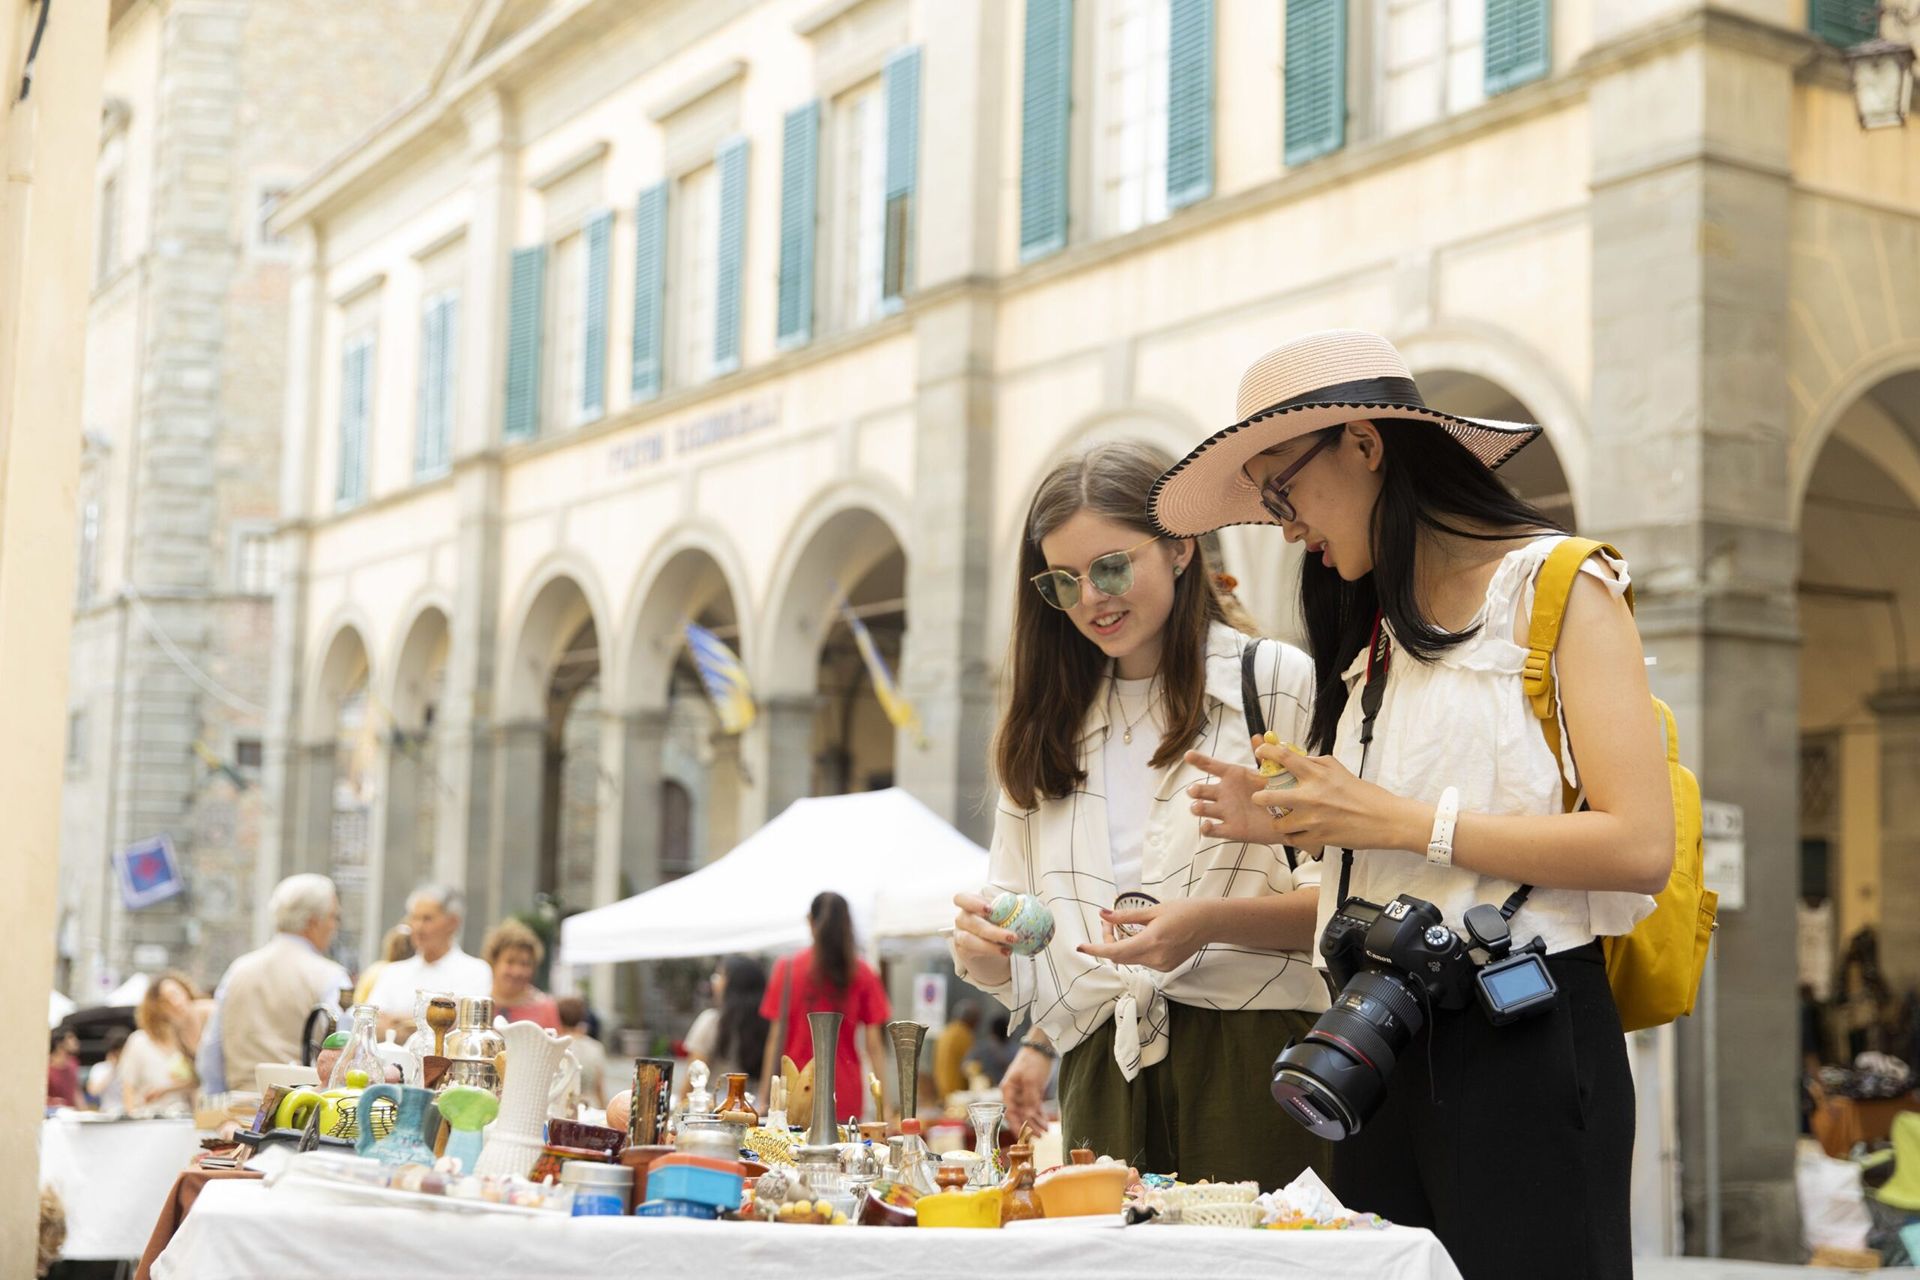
(468, 1111)
(515, 1140)
(411, 1141)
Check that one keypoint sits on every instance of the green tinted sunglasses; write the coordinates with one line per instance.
(1111, 573)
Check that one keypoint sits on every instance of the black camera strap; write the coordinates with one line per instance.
(1379, 659)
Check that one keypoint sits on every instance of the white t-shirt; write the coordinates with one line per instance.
(455, 973)
(1135, 707)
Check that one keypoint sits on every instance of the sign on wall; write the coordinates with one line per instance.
(1724, 828)
(148, 872)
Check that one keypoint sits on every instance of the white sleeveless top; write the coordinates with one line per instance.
(1463, 721)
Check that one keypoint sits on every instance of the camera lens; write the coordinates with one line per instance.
(1333, 1079)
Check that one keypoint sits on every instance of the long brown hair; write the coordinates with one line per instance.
(1057, 671)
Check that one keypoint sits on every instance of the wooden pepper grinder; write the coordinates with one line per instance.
(950, 1177)
(441, 1015)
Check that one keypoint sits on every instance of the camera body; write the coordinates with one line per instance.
(1391, 966)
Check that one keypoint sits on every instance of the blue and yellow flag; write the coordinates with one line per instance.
(725, 678)
(898, 709)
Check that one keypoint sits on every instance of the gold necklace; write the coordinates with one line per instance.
(1128, 726)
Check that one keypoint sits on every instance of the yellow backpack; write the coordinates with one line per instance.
(1655, 970)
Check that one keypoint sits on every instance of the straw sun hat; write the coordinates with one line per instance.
(1321, 380)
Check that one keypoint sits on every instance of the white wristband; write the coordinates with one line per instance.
(1440, 844)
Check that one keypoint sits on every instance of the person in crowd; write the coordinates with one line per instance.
(102, 1081)
(1120, 660)
(513, 952)
(729, 1034)
(592, 1055)
(994, 1050)
(828, 977)
(395, 945)
(63, 1068)
(156, 1067)
(1427, 773)
(261, 1004)
(434, 914)
(953, 1046)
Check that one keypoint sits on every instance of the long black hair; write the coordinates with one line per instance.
(743, 1032)
(833, 957)
(1428, 482)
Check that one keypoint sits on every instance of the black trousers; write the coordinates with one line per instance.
(1515, 1147)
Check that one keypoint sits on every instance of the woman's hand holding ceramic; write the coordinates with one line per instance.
(1225, 802)
(1170, 935)
(984, 946)
(1326, 807)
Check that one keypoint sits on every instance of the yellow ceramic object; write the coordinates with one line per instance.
(1082, 1190)
(961, 1208)
(339, 1113)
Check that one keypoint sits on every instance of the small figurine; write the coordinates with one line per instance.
(699, 1097)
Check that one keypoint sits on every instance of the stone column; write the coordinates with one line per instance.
(393, 869)
(1689, 420)
(1897, 708)
(311, 781)
(511, 875)
(462, 840)
(946, 666)
(632, 748)
(280, 834)
(785, 732)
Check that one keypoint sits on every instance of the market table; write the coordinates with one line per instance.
(113, 1177)
(246, 1230)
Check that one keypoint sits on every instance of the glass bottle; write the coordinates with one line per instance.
(909, 1162)
(359, 1064)
(986, 1118)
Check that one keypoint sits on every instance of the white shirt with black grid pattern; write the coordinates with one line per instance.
(1060, 851)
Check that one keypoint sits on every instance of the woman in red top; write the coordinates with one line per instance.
(828, 977)
(513, 951)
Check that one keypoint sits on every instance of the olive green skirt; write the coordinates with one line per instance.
(1205, 1110)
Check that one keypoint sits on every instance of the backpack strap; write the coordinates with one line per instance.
(1255, 717)
(1552, 589)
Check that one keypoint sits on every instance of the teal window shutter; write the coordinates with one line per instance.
(799, 208)
(1046, 110)
(356, 396)
(1843, 22)
(593, 321)
(1316, 88)
(1518, 43)
(526, 292)
(901, 87)
(649, 289)
(1189, 102)
(437, 322)
(732, 164)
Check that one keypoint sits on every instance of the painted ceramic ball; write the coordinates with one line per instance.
(1026, 916)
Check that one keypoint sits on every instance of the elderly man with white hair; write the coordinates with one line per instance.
(263, 1001)
(438, 964)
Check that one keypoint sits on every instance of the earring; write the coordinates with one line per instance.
(1179, 569)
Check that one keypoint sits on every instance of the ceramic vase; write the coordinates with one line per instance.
(411, 1141)
(515, 1140)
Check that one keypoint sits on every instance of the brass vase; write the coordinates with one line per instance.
(906, 1039)
(823, 1130)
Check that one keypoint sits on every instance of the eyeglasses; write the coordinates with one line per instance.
(1273, 494)
(1111, 573)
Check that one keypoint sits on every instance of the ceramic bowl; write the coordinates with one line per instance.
(1083, 1190)
(588, 1137)
(962, 1208)
(876, 1212)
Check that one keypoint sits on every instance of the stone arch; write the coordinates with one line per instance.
(345, 659)
(561, 595)
(417, 648)
(1843, 400)
(833, 540)
(1496, 365)
(693, 570)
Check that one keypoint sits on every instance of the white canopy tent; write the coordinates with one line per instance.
(896, 862)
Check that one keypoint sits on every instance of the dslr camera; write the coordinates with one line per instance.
(1390, 966)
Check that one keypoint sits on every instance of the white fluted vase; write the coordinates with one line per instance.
(517, 1134)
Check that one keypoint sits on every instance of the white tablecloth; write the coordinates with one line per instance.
(113, 1177)
(246, 1229)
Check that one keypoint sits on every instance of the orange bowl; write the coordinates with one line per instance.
(1083, 1190)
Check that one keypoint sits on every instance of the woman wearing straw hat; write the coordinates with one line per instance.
(1419, 578)
(1121, 660)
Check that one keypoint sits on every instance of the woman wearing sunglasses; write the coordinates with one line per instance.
(1437, 781)
(1121, 661)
